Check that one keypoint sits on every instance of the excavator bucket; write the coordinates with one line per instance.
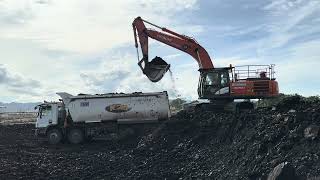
(155, 69)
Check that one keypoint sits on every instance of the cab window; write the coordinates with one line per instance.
(45, 111)
(224, 77)
(212, 79)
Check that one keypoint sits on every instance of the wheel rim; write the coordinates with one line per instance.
(54, 137)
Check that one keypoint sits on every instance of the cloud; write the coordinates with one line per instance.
(288, 21)
(108, 80)
(127, 77)
(13, 13)
(17, 83)
(81, 26)
(68, 45)
(281, 4)
(298, 66)
(79, 46)
(172, 56)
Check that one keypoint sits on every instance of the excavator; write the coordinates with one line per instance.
(221, 86)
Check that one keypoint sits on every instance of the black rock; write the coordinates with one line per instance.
(283, 171)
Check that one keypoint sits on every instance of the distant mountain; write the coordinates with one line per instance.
(18, 107)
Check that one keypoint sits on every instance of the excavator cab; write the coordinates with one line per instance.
(214, 83)
(155, 69)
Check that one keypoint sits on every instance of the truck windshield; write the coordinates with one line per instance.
(44, 111)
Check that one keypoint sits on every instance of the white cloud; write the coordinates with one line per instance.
(172, 56)
(16, 81)
(286, 19)
(127, 77)
(84, 26)
(54, 42)
(13, 83)
(282, 5)
(68, 45)
(297, 72)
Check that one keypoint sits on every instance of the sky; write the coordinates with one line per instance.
(82, 46)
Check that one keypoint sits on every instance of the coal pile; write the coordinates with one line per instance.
(283, 141)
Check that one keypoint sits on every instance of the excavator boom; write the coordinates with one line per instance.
(157, 67)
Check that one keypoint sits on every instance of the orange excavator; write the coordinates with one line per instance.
(219, 85)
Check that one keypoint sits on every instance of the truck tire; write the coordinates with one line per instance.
(75, 136)
(54, 136)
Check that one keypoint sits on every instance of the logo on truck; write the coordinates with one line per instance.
(118, 108)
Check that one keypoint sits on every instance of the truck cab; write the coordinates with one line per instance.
(47, 116)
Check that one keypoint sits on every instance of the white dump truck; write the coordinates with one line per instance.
(76, 118)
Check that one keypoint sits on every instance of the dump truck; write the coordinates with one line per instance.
(81, 117)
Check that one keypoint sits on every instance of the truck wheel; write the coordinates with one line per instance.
(75, 136)
(54, 136)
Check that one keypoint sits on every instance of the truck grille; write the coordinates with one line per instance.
(261, 87)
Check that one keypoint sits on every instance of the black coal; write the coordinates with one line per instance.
(203, 145)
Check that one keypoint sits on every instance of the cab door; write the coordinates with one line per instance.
(45, 118)
(214, 83)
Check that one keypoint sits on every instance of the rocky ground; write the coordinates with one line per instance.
(281, 142)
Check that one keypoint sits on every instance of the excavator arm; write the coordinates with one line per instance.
(156, 68)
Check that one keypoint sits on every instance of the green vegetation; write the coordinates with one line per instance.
(177, 104)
